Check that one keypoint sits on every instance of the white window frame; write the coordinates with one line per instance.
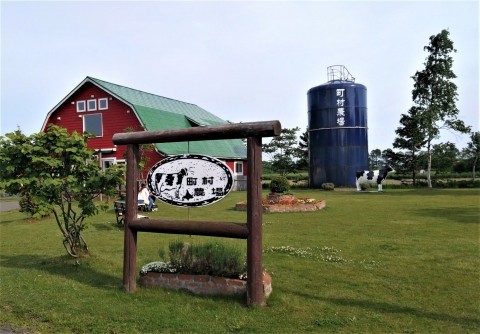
(238, 163)
(112, 160)
(100, 103)
(101, 119)
(81, 103)
(88, 105)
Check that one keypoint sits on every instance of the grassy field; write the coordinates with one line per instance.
(405, 261)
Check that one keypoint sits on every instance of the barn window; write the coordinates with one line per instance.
(92, 105)
(238, 167)
(93, 124)
(102, 104)
(107, 163)
(81, 106)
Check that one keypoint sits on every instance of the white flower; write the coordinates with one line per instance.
(159, 267)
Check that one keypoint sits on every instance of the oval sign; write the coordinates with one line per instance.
(190, 180)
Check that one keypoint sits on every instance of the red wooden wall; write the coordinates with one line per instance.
(117, 118)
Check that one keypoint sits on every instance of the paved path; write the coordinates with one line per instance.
(8, 205)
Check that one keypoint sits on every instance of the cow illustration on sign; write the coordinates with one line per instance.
(170, 184)
(190, 180)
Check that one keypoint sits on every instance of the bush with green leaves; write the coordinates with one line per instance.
(365, 186)
(53, 172)
(328, 186)
(279, 184)
(211, 258)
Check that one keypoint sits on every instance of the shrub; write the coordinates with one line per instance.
(212, 258)
(364, 186)
(279, 184)
(29, 205)
(328, 186)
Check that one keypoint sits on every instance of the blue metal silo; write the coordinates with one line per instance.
(337, 123)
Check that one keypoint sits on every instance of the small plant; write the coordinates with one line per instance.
(364, 186)
(328, 186)
(325, 254)
(212, 259)
(279, 184)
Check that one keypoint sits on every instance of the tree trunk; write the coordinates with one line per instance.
(429, 168)
(414, 166)
(75, 245)
(473, 171)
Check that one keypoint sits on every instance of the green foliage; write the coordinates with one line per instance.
(410, 138)
(364, 186)
(293, 177)
(435, 94)
(472, 152)
(53, 172)
(375, 160)
(444, 156)
(279, 184)
(212, 258)
(328, 186)
(29, 205)
(284, 151)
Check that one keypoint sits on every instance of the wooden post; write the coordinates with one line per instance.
(255, 295)
(252, 232)
(130, 236)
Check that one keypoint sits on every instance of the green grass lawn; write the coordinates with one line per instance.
(405, 261)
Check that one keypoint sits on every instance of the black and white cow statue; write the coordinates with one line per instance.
(375, 176)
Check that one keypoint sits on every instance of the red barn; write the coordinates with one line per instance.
(103, 109)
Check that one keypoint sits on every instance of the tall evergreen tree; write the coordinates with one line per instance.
(375, 159)
(410, 138)
(283, 151)
(435, 94)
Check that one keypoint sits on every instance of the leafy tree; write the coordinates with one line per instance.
(444, 156)
(283, 150)
(55, 172)
(435, 94)
(410, 137)
(375, 159)
(472, 151)
(395, 159)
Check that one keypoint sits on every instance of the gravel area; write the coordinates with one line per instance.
(7, 206)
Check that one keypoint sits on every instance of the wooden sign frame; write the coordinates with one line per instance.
(252, 230)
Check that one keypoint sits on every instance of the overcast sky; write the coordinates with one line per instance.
(243, 61)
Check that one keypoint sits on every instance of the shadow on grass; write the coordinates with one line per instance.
(63, 266)
(108, 226)
(389, 308)
(455, 214)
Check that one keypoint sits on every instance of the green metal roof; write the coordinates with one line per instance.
(161, 113)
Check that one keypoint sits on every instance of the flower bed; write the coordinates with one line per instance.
(202, 284)
(286, 203)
